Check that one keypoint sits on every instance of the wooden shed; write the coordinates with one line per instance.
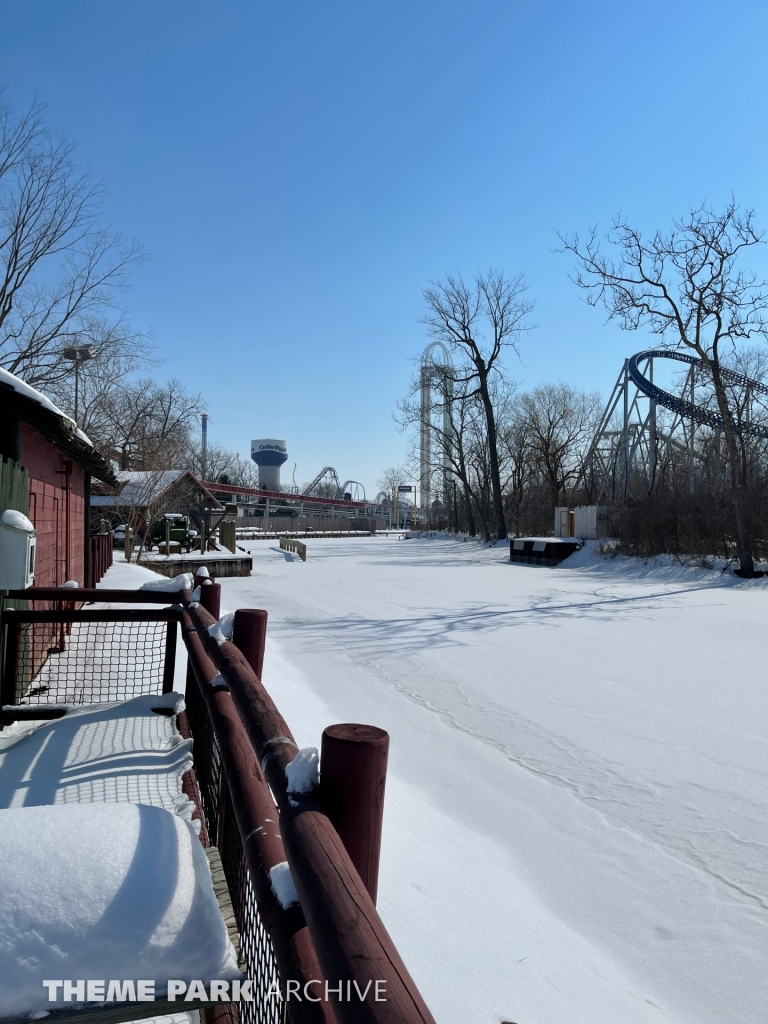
(142, 496)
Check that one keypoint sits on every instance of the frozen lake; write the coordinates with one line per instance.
(575, 822)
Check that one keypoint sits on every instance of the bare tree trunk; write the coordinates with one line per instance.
(739, 490)
(471, 525)
(493, 457)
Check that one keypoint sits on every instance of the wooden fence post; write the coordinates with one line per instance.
(249, 635)
(350, 939)
(210, 598)
(353, 773)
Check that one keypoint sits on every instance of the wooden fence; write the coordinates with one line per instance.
(331, 944)
(14, 486)
(290, 544)
(346, 937)
(228, 534)
(101, 557)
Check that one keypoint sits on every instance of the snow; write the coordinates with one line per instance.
(164, 583)
(71, 584)
(18, 385)
(109, 891)
(113, 756)
(303, 772)
(192, 556)
(203, 571)
(222, 630)
(575, 818)
(541, 540)
(282, 885)
(139, 486)
(120, 751)
(17, 520)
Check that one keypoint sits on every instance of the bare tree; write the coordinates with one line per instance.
(391, 478)
(61, 267)
(461, 316)
(223, 465)
(687, 287)
(558, 423)
(147, 425)
(119, 351)
(219, 462)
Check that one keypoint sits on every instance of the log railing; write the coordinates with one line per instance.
(331, 945)
(354, 949)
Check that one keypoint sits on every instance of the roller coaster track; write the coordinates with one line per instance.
(629, 437)
(686, 409)
(329, 474)
(326, 472)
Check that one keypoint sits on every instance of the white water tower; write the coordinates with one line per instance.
(269, 455)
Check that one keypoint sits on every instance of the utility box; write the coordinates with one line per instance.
(17, 551)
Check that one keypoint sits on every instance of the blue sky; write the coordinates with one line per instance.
(300, 171)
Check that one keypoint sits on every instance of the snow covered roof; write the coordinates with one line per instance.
(146, 485)
(39, 411)
(142, 487)
(21, 388)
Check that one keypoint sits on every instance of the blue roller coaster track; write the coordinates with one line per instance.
(687, 409)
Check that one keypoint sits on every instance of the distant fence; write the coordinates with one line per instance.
(289, 544)
(307, 534)
(101, 557)
(300, 524)
(227, 534)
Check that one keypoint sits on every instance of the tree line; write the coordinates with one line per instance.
(508, 457)
(501, 458)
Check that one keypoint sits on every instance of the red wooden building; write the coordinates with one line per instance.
(46, 470)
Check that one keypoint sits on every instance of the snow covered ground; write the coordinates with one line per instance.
(575, 821)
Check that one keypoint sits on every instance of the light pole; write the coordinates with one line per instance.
(78, 354)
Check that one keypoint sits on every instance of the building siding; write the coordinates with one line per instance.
(48, 480)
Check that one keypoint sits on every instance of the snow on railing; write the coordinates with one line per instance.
(348, 938)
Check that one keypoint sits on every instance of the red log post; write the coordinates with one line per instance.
(353, 767)
(254, 809)
(210, 598)
(249, 634)
(350, 939)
